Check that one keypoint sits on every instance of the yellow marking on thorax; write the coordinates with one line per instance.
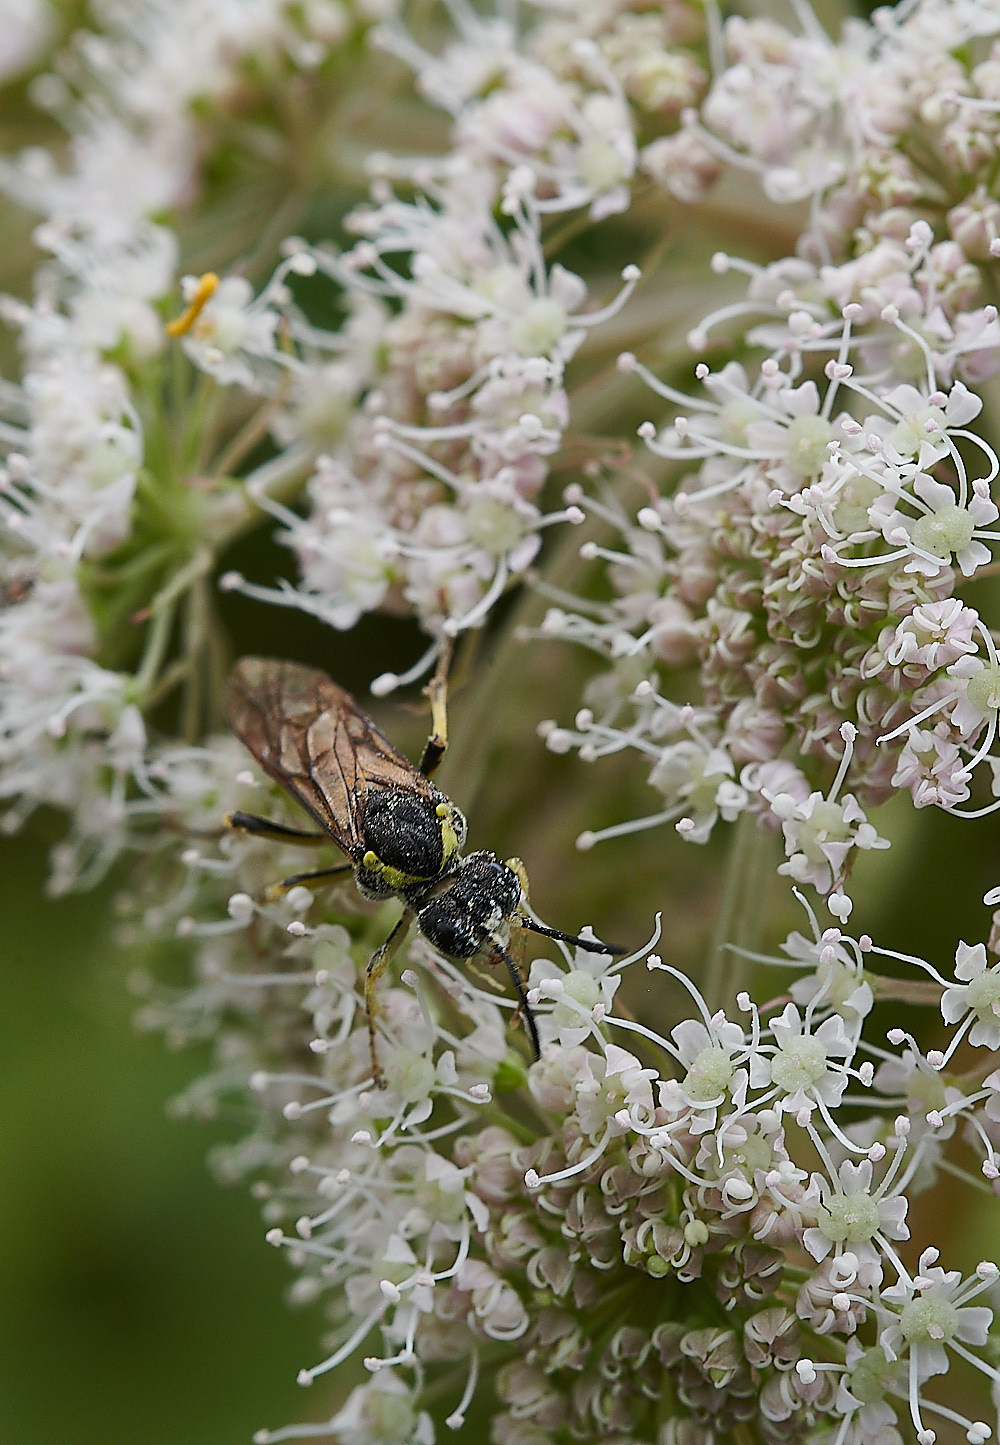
(449, 838)
(396, 878)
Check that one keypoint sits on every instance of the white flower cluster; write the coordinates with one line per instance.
(809, 566)
(709, 1163)
(706, 1238)
(427, 504)
(830, 120)
(576, 104)
(105, 522)
(423, 425)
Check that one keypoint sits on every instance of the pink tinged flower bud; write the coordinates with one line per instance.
(840, 906)
(737, 1192)
(975, 224)
(673, 639)
(682, 164)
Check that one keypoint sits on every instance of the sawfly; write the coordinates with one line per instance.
(402, 835)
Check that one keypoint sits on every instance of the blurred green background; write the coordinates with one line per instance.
(138, 1302)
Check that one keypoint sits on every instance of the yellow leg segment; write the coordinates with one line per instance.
(517, 867)
(517, 934)
(437, 691)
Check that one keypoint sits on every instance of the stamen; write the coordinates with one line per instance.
(456, 1419)
(206, 288)
(306, 1377)
(534, 1180)
(387, 682)
(587, 839)
(454, 625)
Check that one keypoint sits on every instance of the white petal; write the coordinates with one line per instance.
(963, 405)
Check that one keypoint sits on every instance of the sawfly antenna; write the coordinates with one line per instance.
(589, 945)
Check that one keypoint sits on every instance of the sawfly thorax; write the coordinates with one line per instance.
(410, 842)
(476, 901)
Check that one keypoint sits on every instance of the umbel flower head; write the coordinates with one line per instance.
(686, 1225)
(570, 1264)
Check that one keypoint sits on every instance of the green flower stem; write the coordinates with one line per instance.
(904, 990)
(196, 628)
(171, 677)
(740, 912)
(151, 559)
(199, 565)
(253, 431)
(198, 432)
(154, 651)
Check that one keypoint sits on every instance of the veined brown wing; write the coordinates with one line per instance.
(313, 739)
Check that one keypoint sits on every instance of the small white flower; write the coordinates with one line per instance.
(702, 782)
(802, 1066)
(934, 635)
(943, 530)
(978, 698)
(819, 835)
(231, 327)
(380, 1411)
(837, 979)
(978, 994)
(849, 1212)
(928, 1313)
(609, 1083)
(933, 768)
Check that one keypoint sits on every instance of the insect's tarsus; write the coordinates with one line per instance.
(306, 880)
(264, 828)
(377, 965)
